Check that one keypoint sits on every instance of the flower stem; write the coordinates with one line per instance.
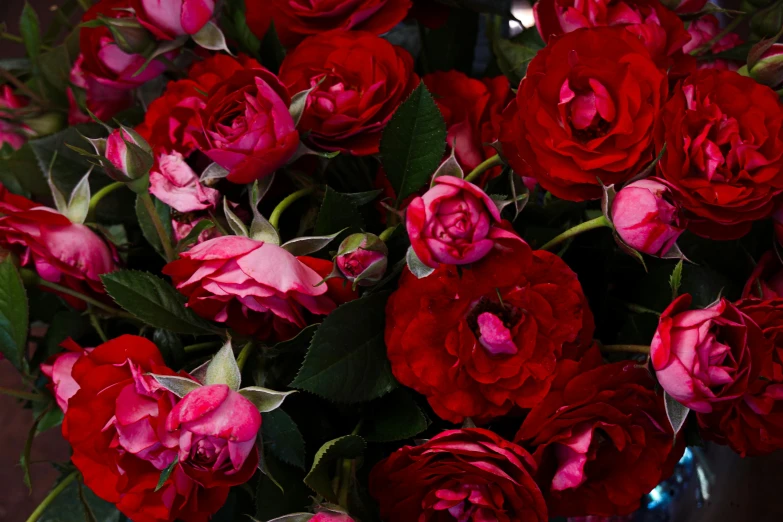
(22, 394)
(201, 346)
(97, 326)
(484, 166)
(18, 39)
(108, 189)
(52, 495)
(31, 278)
(386, 234)
(244, 354)
(598, 222)
(718, 37)
(274, 219)
(165, 240)
(625, 348)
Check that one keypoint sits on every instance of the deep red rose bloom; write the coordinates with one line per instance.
(115, 425)
(69, 254)
(585, 112)
(171, 123)
(473, 110)
(461, 475)
(248, 128)
(753, 424)
(601, 439)
(766, 281)
(659, 29)
(451, 338)
(295, 20)
(724, 151)
(358, 81)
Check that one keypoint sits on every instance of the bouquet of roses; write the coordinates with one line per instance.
(390, 260)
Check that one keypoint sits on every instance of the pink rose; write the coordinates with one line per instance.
(254, 287)
(704, 358)
(12, 132)
(704, 29)
(63, 385)
(645, 218)
(247, 126)
(331, 516)
(129, 153)
(173, 182)
(62, 252)
(454, 223)
(217, 429)
(168, 19)
(362, 259)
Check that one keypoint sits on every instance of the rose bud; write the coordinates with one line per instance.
(60, 370)
(62, 252)
(362, 259)
(454, 223)
(130, 154)
(461, 475)
(168, 19)
(115, 425)
(248, 128)
(173, 182)
(768, 69)
(217, 429)
(705, 358)
(644, 217)
(256, 288)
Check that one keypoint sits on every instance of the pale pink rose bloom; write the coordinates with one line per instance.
(168, 19)
(645, 217)
(173, 182)
(59, 371)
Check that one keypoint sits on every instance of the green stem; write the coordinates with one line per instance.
(31, 278)
(386, 234)
(346, 474)
(625, 348)
(718, 37)
(484, 166)
(244, 354)
(52, 495)
(108, 189)
(165, 240)
(598, 222)
(639, 309)
(85, 4)
(97, 326)
(18, 39)
(201, 346)
(22, 394)
(274, 219)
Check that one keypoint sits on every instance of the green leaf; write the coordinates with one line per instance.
(68, 166)
(452, 45)
(394, 417)
(236, 25)
(223, 369)
(513, 58)
(282, 438)
(264, 399)
(413, 143)
(270, 501)
(675, 412)
(272, 51)
(166, 473)
(13, 316)
(170, 347)
(30, 28)
(146, 225)
(338, 213)
(347, 360)
(154, 301)
(71, 506)
(211, 37)
(676, 280)
(20, 174)
(179, 386)
(319, 479)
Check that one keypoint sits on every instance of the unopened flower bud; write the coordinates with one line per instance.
(129, 153)
(768, 69)
(645, 219)
(45, 124)
(362, 259)
(130, 36)
(767, 22)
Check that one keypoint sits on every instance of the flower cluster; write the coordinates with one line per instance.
(317, 260)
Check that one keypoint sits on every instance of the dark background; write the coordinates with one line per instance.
(744, 490)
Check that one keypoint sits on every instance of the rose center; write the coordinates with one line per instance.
(467, 503)
(588, 108)
(491, 323)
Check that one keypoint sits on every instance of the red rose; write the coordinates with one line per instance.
(702, 31)
(248, 128)
(469, 474)
(69, 254)
(601, 439)
(480, 343)
(171, 123)
(724, 151)
(706, 358)
(659, 29)
(358, 81)
(753, 424)
(766, 281)
(473, 110)
(295, 20)
(115, 425)
(584, 113)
